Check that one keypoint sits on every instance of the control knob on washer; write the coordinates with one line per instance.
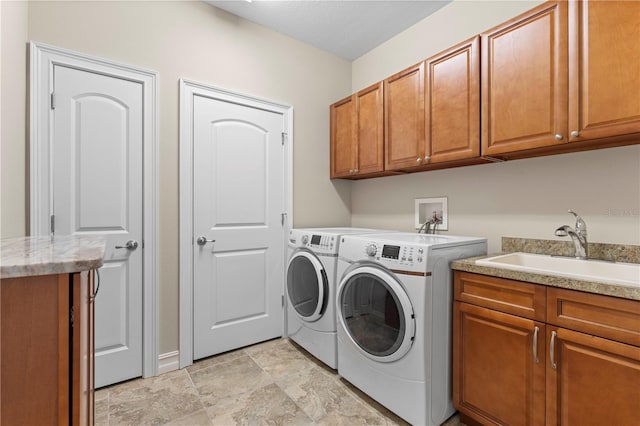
(372, 249)
(305, 239)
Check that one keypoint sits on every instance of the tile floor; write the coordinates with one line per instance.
(275, 383)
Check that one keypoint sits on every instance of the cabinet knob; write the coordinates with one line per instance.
(419, 160)
(355, 171)
(559, 137)
(575, 134)
(427, 158)
(350, 171)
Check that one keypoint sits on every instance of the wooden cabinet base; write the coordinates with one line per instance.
(528, 354)
(46, 360)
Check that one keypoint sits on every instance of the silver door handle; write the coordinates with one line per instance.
(552, 350)
(129, 245)
(535, 345)
(203, 240)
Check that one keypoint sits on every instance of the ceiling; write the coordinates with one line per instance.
(346, 28)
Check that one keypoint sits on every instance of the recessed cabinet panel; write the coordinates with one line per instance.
(452, 118)
(524, 81)
(370, 129)
(343, 143)
(595, 381)
(404, 118)
(498, 379)
(604, 54)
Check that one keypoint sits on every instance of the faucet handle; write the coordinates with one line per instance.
(581, 226)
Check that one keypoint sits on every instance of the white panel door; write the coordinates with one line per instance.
(238, 199)
(97, 190)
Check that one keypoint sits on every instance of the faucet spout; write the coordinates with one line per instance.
(579, 240)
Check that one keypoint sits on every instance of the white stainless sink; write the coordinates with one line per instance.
(627, 274)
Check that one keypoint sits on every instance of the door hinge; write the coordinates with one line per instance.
(284, 137)
(53, 101)
(283, 217)
(53, 224)
(71, 316)
(283, 300)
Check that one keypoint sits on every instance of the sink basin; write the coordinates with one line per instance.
(627, 274)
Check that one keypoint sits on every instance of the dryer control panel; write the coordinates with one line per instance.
(319, 243)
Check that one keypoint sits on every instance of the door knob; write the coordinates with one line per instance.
(129, 245)
(203, 240)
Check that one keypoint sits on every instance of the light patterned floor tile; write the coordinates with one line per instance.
(272, 383)
(156, 400)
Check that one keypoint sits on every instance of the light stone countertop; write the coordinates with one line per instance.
(28, 256)
(469, 265)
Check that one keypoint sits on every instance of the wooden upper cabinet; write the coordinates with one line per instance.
(452, 116)
(524, 81)
(404, 118)
(604, 69)
(343, 138)
(370, 130)
(357, 134)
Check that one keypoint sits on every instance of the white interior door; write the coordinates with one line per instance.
(238, 201)
(97, 190)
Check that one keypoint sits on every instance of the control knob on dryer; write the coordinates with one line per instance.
(305, 239)
(372, 249)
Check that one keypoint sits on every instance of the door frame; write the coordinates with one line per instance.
(43, 57)
(189, 89)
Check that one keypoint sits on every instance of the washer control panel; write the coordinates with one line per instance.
(394, 256)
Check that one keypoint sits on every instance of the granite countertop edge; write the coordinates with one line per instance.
(607, 289)
(35, 256)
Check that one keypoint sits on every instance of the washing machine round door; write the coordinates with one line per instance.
(376, 313)
(307, 285)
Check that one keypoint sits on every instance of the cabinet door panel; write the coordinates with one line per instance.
(370, 129)
(588, 370)
(342, 146)
(35, 350)
(604, 54)
(404, 118)
(452, 118)
(496, 376)
(524, 81)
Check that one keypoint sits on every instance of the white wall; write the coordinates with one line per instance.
(523, 198)
(194, 40)
(13, 96)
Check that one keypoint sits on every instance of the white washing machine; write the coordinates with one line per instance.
(394, 308)
(311, 286)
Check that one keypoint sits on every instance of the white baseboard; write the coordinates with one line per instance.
(169, 361)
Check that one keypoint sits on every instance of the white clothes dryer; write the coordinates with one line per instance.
(394, 308)
(311, 286)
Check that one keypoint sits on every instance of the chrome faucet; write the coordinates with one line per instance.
(578, 236)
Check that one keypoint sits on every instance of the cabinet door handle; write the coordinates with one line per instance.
(95, 293)
(535, 344)
(552, 345)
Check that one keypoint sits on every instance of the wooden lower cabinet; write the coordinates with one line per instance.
(47, 360)
(513, 369)
(500, 380)
(592, 381)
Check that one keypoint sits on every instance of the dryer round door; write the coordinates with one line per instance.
(376, 313)
(307, 285)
